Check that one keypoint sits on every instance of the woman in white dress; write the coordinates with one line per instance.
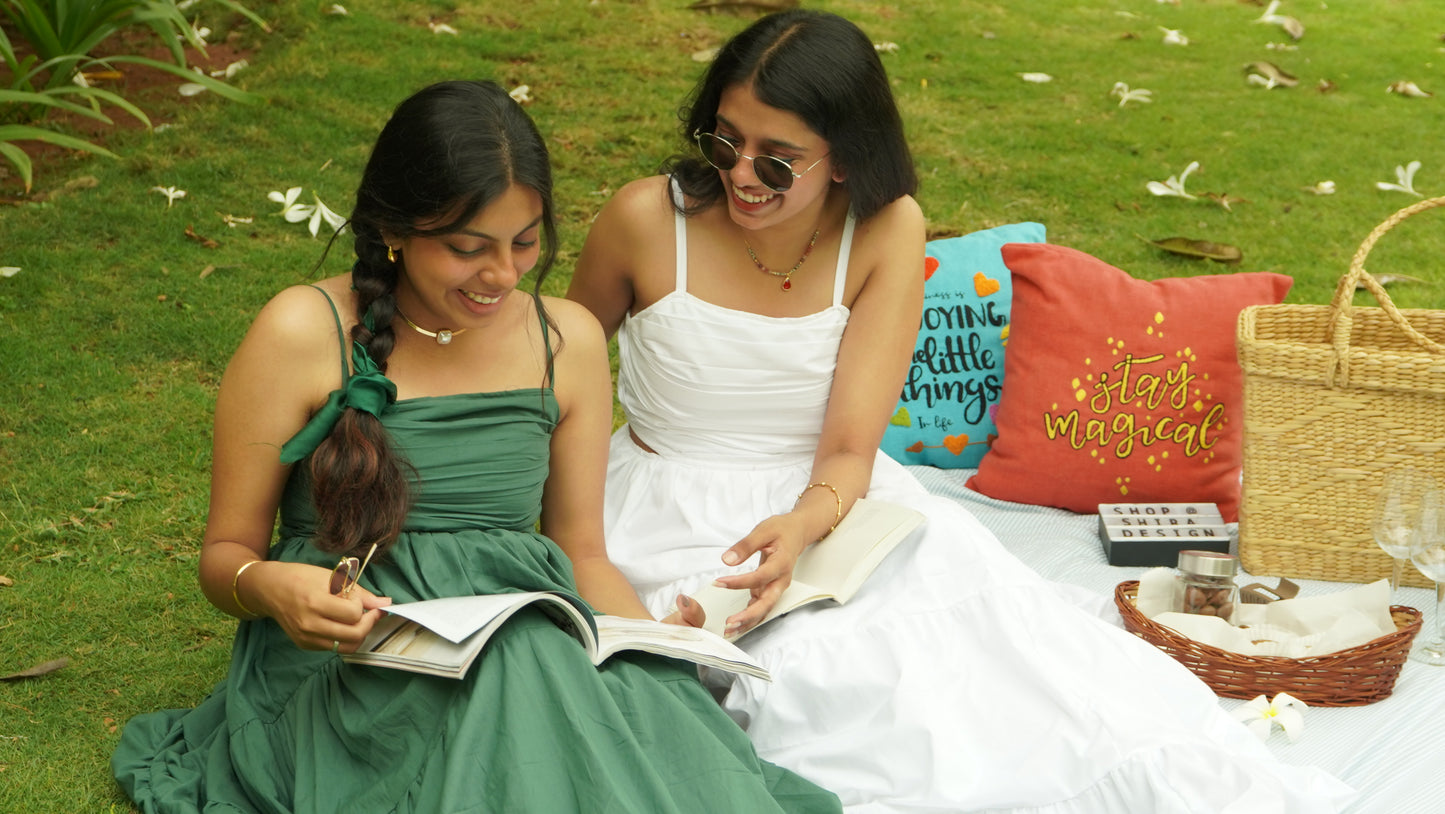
(766, 295)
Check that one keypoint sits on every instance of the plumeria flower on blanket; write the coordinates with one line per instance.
(1174, 186)
(171, 194)
(1261, 716)
(1126, 95)
(1405, 178)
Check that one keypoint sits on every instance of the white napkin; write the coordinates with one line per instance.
(1290, 628)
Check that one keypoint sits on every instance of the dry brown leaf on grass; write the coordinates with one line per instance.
(6, 582)
(38, 670)
(204, 241)
(1197, 249)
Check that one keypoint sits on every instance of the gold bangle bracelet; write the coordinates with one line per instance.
(837, 498)
(236, 597)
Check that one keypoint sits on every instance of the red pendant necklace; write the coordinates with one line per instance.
(786, 275)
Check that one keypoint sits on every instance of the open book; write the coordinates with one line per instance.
(444, 636)
(834, 568)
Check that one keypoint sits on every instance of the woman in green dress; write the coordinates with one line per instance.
(457, 418)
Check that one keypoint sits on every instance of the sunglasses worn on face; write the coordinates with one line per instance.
(348, 572)
(775, 173)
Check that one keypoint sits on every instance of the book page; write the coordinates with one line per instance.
(454, 618)
(443, 636)
(832, 569)
(617, 633)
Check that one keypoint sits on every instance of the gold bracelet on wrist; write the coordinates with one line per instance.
(236, 597)
(838, 499)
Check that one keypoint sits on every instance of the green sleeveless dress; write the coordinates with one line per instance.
(533, 727)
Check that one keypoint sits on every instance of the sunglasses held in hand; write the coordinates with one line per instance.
(348, 572)
(775, 173)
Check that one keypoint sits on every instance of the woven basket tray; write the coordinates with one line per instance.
(1350, 678)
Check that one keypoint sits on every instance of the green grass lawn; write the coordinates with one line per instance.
(114, 332)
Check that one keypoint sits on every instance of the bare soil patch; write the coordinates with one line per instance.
(154, 91)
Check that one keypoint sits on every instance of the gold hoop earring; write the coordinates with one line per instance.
(390, 254)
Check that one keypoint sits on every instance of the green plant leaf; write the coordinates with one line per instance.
(48, 99)
(1197, 249)
(20, 161)
(109, 97)
(24, 132)
(229, 91)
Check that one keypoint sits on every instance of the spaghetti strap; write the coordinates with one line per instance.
(546, 341)
(340, 335)
(681, 229)
(845, 248)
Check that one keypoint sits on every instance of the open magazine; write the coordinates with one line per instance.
(444, 636)
(833, 569)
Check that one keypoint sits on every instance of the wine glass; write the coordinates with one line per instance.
(1427, 551)
(1397, 508)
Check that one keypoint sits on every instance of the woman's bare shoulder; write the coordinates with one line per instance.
(301, 316)
(639, 203)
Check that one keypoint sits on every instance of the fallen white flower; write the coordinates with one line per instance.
(191, 89)
(338, 9)
(1035, 77)
(171, 194)
(521, 94)
(9, 271)
(290, 210)
(231, 70)
(1126, 95)
(886, 47)
(1266, 82)
(232, 220)
(1260, 716)
(1173, 36)
(1323, 188)
(1173, 186)
(1408, 88)
(1405, 178)
(319, 213)
(441, 28)
(1291, 26)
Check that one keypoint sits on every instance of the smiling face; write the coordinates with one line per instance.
(756, 129)
(452, 281)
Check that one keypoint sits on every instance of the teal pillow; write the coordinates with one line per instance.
(945, 416)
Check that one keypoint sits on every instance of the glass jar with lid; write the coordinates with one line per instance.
(1206, 584)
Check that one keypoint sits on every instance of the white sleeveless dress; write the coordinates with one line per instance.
(957, 679)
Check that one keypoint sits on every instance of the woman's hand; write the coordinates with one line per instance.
(688, 613)
(299, 598)
(780, 540)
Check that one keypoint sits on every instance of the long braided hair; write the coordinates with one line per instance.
(446, 153)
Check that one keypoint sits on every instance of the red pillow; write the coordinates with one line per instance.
(1119, 390)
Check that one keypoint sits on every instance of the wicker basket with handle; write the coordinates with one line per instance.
(1350, 678)
(1334, 396)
